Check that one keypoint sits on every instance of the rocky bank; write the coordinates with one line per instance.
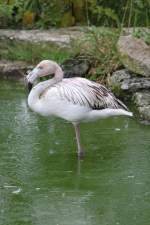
(61, 37)
(133, 82)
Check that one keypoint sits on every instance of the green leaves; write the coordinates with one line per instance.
(61, 13)
(33, 6)
(99, 47)
(5, 15)
(143, 34)
(105, 14)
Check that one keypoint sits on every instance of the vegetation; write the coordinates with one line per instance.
(32, 53)
(62, 13)
(143, 34)
(99, 46)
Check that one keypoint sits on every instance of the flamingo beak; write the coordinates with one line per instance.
(31, 77)
(29, 86)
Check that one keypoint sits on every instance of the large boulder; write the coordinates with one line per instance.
(76, 67)
(134, 54)
(134, 87)
(123, 80)
(14, 70)
(142, 101)
(58, 37)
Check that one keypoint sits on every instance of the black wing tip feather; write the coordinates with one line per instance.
(102, 91)
(122, 105)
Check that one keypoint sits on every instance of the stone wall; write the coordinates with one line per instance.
(134, 81)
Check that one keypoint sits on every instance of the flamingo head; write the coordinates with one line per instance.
(44, 68)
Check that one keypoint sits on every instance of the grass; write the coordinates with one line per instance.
(31, 53)
(99, 46)
(142, 34)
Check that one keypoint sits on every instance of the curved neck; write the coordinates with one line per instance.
(58, 74)
(37, 91)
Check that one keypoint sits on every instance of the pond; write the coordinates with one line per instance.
(43, 183)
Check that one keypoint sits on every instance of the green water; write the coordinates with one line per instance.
(42, 182)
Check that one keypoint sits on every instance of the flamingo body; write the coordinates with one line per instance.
(73, 99)
(67, 100)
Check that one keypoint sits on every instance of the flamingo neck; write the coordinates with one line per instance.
(36, 92)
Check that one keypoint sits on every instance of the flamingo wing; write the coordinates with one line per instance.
(88, 93)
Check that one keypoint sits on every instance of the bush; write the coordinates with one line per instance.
(99, 46)
(143, 34)
(58, 13)
(31, 53)
(6, 19)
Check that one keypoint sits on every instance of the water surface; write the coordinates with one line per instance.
(42, 182)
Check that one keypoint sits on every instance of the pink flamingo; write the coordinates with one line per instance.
(73, 99)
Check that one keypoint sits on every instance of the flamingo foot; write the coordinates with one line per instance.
(81, 154)
(80, 151)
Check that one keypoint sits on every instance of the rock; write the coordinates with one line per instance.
(142, 101)
(131, 30)
(118, 77)
(144, 113)
(134, 54)
(142, 98)
(60, 37)
(135, 87)
(14, 70)
(135, 84)
(78, 66)
(126, 81)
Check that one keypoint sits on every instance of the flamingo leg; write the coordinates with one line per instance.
(80, 151)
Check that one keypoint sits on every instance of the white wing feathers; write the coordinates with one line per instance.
(87, 93)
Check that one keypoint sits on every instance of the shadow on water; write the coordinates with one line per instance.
(42, 182)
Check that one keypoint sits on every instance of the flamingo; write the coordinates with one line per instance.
(73, 99)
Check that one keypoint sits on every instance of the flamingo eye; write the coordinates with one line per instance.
(40, 67)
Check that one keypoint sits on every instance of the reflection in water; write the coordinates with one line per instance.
(42, 182)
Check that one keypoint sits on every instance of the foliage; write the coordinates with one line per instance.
(32, 53)
(32, 10)
(50, 14)
(143, 34)
(11, 14)
(61, 13)
(5, 15)
(99, 46)
(33, 6)
(102, 15)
